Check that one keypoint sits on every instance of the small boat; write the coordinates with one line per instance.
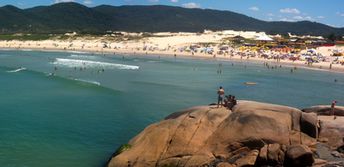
(250, 83)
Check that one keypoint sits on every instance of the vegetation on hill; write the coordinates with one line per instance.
(69, 17)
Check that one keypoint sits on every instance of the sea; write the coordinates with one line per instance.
(74, 109)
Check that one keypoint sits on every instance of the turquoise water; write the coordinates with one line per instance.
(78, 117)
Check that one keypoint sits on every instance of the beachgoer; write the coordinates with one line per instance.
(227, 100)
(233, 102)
(220, 93)
(333, 105)
(319, 127)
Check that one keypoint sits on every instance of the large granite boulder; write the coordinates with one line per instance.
(299, 156)
(325, 110)
(309, 124)
(175, 140)
(332, 130)
(251, 133)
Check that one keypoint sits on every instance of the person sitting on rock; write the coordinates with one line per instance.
(220, 93)
(232, 103)
(227, 100)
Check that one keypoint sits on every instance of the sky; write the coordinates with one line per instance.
(330, 12)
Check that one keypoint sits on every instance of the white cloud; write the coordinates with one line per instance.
(174, 1)
(191, 5)
(153, 1)
(308, 18)
(88, 2)
(320, 17)
(287, 19)
(270, 14)
(254, 8)
(290, 10)
(340, 14)
(61, 1)
(298, 18)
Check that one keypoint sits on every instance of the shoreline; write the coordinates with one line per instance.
(323, 66)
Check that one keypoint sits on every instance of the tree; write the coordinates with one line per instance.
(332, 37)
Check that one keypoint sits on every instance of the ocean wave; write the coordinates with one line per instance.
(88, 81)
(17, 70)
(152, 61)
(77, 52)
(92, 64)
(28, 50)
(82, 56)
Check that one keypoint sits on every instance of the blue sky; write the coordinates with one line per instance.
(329, 12)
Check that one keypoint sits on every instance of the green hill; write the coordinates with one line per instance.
(67, 17)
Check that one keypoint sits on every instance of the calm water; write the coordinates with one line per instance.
(79, 116)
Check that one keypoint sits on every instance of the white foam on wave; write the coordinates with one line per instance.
(92, 64)
(17, 70)
(29, 50)
(152, 61)
(88, 81)
(77, 52)
(82, 56)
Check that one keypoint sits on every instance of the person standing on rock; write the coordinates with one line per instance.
(220, 93)
(333, 105)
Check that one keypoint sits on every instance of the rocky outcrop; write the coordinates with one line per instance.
(251, 134)
(332, 130)
(325, 110)
(299, 155)
(175, 140)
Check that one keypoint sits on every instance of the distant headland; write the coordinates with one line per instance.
(69, 17)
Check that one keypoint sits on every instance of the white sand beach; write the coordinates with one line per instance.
(207, 45)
